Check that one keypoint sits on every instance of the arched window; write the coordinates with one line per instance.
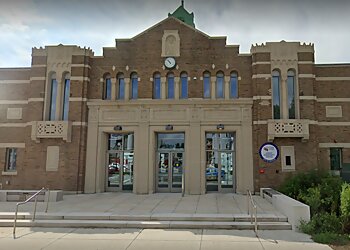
(53, 97)
(107, 88)
(234, 85)
(121, 86)
(184, 86)
(66, 94)
(220, 85)
(206, 85)
(157, 87)
(134, 85)
(276, 94)
(171, 86)
(291, 94)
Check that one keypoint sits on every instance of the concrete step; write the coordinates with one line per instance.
(147, 217)
(146, 224)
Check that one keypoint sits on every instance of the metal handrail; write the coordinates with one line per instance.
(34, 212)
(251, 203)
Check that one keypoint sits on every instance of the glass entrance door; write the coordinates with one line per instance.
(220, 170)
(170, 171)
(120, 163)
(170, 162)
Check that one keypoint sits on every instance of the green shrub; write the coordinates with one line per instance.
(300, 182)
(312, 198)
(330, 189)
(345, 200)
(331, 238)
(322, 223)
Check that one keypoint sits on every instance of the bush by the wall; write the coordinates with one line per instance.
(345, 207)
(345, 200)
(322, 223)
(295, 185)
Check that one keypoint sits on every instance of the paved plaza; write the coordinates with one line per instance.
(158, 203)
(153, 239)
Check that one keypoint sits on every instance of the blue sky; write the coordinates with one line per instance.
(33, 23)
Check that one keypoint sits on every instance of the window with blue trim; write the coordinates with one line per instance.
(66, 94)
(276, 94)
(171, 86)
(134, 86)
(220, 85)
(157, 87)
(234, 85)
(107, 88)
(121, 87)
(206, 85)
(184, 86)
(53, 98)
(291, 94)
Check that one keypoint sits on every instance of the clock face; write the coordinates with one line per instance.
(170, 62)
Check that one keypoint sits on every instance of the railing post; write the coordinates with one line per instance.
(256, 219)
(248, 203)
(14, 222)
(36, 201)
(48, 199)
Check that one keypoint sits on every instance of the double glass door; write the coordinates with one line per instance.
(170, 162)
(120, 163)
(170, 171)
(220, 162)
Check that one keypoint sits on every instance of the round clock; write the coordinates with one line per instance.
(170, 62)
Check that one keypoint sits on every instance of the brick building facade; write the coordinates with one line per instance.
(170, 109)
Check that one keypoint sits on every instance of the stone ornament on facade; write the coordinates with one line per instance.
(171, 43)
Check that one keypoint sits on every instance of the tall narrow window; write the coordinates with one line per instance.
(171, 86)
(134, 85)
(220, 85)
(53, 98)
(206, 85)
(157, 89)
(107, 88)
(276, 98)
(121, 87)
(11, 159)
(291, 94)
(66, 94)
(233, 85)
(184, 86)
(336, 158)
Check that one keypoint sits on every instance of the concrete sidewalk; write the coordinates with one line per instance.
(153, 239)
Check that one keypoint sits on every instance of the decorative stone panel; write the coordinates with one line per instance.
(52, 129)
(288, 128)
(171, 43)
(14, 113)
(334, 111)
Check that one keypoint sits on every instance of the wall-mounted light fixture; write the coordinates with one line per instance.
(118, 127)
(169, 127)
(220, 127)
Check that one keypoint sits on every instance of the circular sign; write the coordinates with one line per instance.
(269, 152)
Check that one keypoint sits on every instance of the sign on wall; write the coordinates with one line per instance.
(269, 152)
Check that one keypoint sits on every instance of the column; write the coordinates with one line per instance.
(177, 87)
(193, 161)
(227, 87)
(127, 88)
(113, 89)
(213, 85)
(163, 87)
(142, 151)
(91, 151)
